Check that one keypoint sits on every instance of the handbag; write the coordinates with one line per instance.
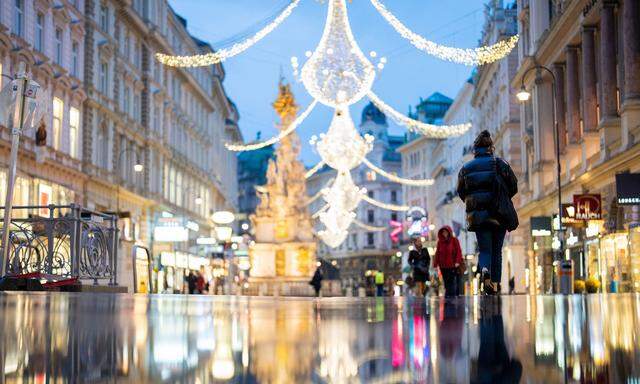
(462, 268)
(504, 210)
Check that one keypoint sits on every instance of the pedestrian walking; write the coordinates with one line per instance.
(200, 283)
(448, 259)
(486, 184)
(316, 281)
(379, 279)
(419, 260)
(191, 282)
(512, 285)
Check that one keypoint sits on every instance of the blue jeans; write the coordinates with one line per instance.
(490, 242)
(379, 290)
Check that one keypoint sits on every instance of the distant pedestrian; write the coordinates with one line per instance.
(200, 283)
(486, 184)
(448, 259)
(191, 282)
(379, 283)
(419, 260)
(512, 285)
(316, 281)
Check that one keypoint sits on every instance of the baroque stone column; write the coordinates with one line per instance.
(631, 51)
(573, 95)
(590, 137)
(573, 155)
(559, 72)
(609, 122)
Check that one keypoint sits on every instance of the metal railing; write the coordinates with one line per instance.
(63, 240)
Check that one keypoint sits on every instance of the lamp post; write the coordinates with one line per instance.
(524, 96)
(25, 90)
(137, 168)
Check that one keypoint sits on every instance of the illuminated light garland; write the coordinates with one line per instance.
(225, 53)
(333, 238)
(319, 211)
(397, 179)
(469, 56)
(314, 170)
(368, 227)
(319, 193)
(390, 207)
(337, 73)
(428, 130)
(292, 127)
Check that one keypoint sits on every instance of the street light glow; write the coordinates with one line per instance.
(138, 168)
(198, 200)
(523, 95)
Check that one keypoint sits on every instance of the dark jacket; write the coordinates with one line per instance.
(419, 262)
(316, 280)
(476, 183)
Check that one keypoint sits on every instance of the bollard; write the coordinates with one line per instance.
(565, 277)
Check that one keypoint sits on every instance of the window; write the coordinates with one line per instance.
(18, 17)
(394, 216)
(59, 46)
(104, 18)
(75, 48)
(104, 77)
(370, 194)
(40, 32)
(136, 108)
(74, 128)
(394, 196)
(370, 216)
(126, 100)
(58, 112)
(370, 238)
(371, 176)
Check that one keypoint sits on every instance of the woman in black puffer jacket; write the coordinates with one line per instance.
(476, 187)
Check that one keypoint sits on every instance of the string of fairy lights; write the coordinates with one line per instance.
(338, 74)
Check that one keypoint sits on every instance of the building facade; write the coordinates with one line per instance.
(593, 49)
(124, 134)
(367, 248)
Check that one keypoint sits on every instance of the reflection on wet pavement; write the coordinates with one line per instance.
(81, 338)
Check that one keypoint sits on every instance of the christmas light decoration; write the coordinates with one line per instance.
(225, 53)
(342, 148)
(343, 194)
(337, 73)
(469, 56)
(314, 170)
(428, 130)
(369, 228)
(397, 179)
(333, 238)
(390, 207)
(292, 127)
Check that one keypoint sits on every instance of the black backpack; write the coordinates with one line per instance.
(503, 211)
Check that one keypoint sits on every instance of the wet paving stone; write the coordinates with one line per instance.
(104, 338)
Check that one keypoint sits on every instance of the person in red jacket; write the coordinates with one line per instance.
(448, 258)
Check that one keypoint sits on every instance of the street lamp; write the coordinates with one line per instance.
(524, 96)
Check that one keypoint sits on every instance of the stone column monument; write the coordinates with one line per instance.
(283, 258)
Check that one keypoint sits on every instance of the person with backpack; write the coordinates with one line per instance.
(448, 259)
(486, 184)
(419, 260)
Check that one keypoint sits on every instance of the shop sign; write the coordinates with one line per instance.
(182, 260)
(206, 241)
(170, 229)
(168, 259)
(569, 215)
(588, 206)
(628, 188)
(540, 226)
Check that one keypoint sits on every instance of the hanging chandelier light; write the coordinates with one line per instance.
(338, 74)
(343, 194)
(342, 148)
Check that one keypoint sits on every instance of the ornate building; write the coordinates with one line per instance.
(593, 49)
(50, 41)
(123, 133)
(283, 257)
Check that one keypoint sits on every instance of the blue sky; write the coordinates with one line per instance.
(252, 77)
